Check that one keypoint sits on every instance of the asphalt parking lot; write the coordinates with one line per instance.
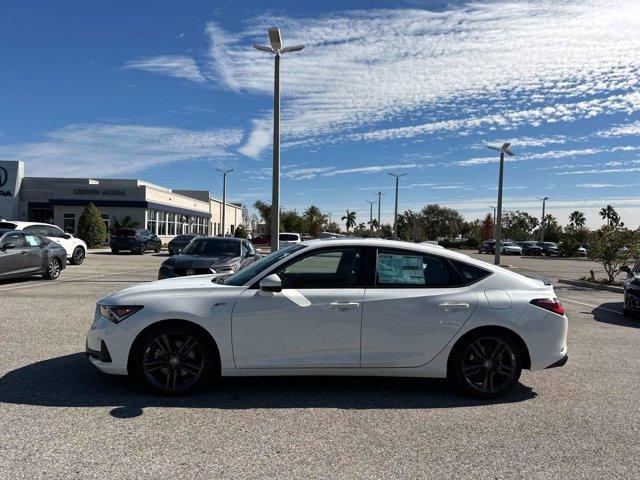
(61, 418)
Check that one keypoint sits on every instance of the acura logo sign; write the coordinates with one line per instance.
(4, 176)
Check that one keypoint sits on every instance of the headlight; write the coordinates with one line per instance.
(224, 269)
(119, 312)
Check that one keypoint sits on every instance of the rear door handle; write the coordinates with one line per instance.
(453, 306)
(344, 305)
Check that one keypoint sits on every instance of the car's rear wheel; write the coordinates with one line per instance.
(53, 269)
(115, 251)
(77, 257)
(173, 360)
(486, 364)
(158, 248)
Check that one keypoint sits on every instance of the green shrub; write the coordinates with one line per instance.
(569, 247)
(91, 227)
(240, 232)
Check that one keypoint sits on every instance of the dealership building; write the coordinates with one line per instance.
(60, 201)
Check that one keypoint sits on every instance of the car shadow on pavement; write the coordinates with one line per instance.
(70, 381)
(604, 315)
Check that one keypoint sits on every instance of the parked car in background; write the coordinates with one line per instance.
(207, 255)
(76, 248)
(330, 235)
(335, 307)
(179, 242)
(287, 238)
(550, 249)
(488, 246)
(431, 242)
(24, 254)
(261, 240)
(582, 251)
(631, 303)
(510, 248)
(530, 247)
(136, 241)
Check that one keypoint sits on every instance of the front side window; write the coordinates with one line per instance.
(256, 268)
(328, 268)
(16, 238)
(411, 269)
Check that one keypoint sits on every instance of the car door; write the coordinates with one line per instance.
(13, 260)
(35, 257)
(415, 307)
(315, 321)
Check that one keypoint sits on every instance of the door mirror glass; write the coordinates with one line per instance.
(9, 246)
(271, 283)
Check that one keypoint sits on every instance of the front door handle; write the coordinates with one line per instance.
(344, 305)
(453, 306)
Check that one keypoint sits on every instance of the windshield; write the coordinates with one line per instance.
(126, 232)
(246, 274)
(287, 237)
(184, 237)
(213, 247)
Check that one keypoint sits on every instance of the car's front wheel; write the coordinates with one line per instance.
(53, 269)
(158, 248)
(77, 257)
(173, 360)
(143, 248)
(486, 364)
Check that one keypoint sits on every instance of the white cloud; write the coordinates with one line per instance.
(171, 65)
(482, 65)
(84, 150)
(260, 138)
(622, 130)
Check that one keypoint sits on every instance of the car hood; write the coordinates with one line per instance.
(192, 285)
(195, 261)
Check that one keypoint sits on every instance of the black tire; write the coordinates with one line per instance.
(142, 250)
(115, 251)
(158, 249)
(53, 269)
(159, 365)
(475, 369)
(77, 257)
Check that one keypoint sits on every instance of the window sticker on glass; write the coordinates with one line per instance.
(400, 269)
(32, 241)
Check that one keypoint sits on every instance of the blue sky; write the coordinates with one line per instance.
(167, 91)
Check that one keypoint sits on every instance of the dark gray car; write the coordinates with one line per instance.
(24, 254)
(207, 255)
(179, 242)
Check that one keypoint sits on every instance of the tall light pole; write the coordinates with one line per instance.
(371, 202)
(224, 197)
(380, 194)
(503, 149)
(275, 48)
(395, 212)
(494, 222)
(329, 225)
(542, 223)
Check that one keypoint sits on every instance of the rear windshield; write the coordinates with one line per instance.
(126, 232)
(287, 237)
(213, 247)
(7, 226)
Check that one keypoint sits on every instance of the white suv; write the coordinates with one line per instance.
(76, 248)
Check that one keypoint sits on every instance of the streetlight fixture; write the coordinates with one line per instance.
(380, 194)
(503, 149)
(395, 212)
(224, 197)
(276, 49)
(371, 202)
(542, 223)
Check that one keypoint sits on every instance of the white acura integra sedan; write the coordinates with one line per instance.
(335, 307)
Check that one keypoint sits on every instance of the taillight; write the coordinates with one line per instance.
(551, 304)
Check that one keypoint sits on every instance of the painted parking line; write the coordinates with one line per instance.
(30, 285)
(592, 306)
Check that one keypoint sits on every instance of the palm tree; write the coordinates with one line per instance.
(349, 220)
(610, 215)
(577, 219)
(315, 220)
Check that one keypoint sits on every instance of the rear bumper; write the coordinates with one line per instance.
(560, 363)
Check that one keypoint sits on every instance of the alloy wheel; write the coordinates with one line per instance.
(78, 256)
(489, 365)
(54, 268)
(173, 361)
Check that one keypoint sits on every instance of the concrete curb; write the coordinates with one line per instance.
(595, 286)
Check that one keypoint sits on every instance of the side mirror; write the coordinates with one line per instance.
(625, 269)
(271, 283)
(9, 246)
(67, 236)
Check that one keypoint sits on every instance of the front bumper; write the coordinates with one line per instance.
(560, 363)
(107, 346)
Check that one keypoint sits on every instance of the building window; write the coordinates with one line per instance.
(161, 218)
(151, 220)
(171, 224)
(69, 223)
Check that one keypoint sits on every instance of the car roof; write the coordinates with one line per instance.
(20, 225)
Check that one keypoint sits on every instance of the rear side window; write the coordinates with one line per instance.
(469, 273)
(412, 269)
(33, 240)
(7, 226)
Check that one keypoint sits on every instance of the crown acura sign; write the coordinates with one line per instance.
(4, 176)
